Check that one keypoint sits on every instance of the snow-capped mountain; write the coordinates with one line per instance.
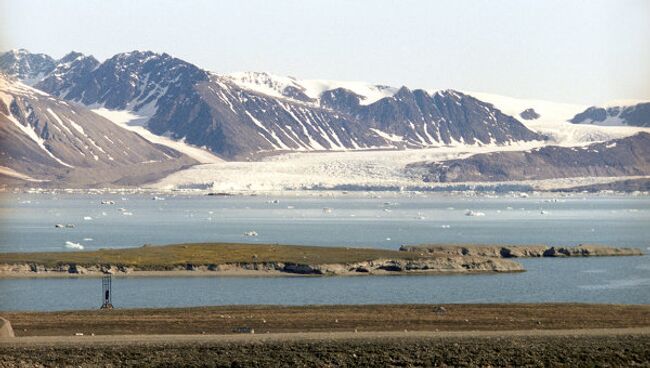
(27, 67)
(242, 115)
(133, 81)
(71, 70)
(182, 114)
(45, 138)
(633, 115)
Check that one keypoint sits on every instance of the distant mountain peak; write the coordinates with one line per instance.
(632, 115)
(26, 66)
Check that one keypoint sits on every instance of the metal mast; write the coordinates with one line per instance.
(106, 292)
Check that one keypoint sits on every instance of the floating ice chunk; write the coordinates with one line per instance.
(155, 198)
(71, 245)
(127, 213)
(87, 218)
(445, 226)
(88, 239)
(327, 210)
(474, 213)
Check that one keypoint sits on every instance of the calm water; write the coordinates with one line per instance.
(28, 225)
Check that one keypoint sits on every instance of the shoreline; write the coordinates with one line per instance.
(564, 187)
(241, 272)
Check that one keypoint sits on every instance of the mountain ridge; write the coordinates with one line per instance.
(225, 114)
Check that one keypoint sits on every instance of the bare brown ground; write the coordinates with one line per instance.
(540, 348)
(324, 336)
(274, 319)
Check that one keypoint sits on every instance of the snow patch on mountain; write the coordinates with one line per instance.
(276, 86)
(136, 122)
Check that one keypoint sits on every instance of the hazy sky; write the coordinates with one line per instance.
(574, 51)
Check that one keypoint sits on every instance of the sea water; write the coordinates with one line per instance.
(357, 220)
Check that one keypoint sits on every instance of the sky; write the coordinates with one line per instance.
(586, 52)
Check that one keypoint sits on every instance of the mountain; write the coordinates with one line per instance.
(26, 66)
(633, 115)
(244, 115)
(44, 138)
(70, 71)
(622, 157)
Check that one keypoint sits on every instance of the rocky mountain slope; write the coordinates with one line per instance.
(47, 139)
(622, 157)
(247, 114)
(633, 115)
(26, 66)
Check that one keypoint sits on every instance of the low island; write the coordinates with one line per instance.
(242, 260)
(234, 259)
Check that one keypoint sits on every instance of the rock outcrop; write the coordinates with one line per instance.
(529, 114)
(521, 251)
(5, 328)
(428, 264)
